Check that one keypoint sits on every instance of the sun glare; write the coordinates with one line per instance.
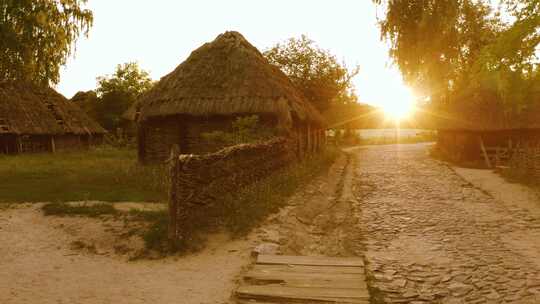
(401, 107)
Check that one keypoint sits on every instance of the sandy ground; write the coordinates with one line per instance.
(38, 264)
(512, 194)
(86, 260)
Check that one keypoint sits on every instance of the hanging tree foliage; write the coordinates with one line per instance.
(466, 51)
(117, 92)
(37, 37)
(323, 80)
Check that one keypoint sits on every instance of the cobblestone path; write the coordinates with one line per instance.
(431, 237)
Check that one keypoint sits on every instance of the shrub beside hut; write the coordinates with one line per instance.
(220, 82)
(38, 119)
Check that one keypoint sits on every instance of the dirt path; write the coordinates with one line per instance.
(317, 219)
(37, 265)
(429, 236)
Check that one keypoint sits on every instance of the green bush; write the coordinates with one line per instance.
(90, 210)
(243, 130)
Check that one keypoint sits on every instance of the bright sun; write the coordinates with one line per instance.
(401, 107)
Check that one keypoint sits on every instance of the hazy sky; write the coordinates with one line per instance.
(160, 34)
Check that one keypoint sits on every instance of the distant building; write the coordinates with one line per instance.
(470, 132)
(220, 81)
(86, 101)
(36, 119)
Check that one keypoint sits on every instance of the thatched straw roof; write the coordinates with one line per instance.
(84, 97)
(87, 101)
(28, 109)
(227, 76)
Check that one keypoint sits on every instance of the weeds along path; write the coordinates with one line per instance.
(39, 265)
(317, 220)
(429, 236)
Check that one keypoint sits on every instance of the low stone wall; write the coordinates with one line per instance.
(200, 182)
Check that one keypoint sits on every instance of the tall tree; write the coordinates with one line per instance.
(128, 78)
(317, 73)
(464, 50)
(117, 92)
(37, 37)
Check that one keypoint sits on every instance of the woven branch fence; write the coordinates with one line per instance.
(526, 161)
(199, 182)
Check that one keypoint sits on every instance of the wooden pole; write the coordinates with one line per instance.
(309, 138)
(303, 141)
(53, 145)
(299, 138)
(19, 145)
(486, 157)
(316, 138)
(313, 141)
(141, 145)
(173, 196)
(320, 139)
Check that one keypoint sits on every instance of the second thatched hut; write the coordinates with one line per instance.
(219, 82)
(38, 119)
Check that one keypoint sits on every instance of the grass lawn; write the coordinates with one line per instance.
(104, 174)
(112, 175)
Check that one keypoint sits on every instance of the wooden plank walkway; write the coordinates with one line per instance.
(302, 279)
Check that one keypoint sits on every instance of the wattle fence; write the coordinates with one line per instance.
(200, 182)
(526, 161)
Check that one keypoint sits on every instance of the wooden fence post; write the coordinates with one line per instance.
(53, 144)
(316, 139)
(484, 152)
(19, 145)
(173, 196)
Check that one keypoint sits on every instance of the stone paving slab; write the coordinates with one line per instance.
(429, 236)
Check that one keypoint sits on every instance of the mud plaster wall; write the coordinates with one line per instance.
(157, 137)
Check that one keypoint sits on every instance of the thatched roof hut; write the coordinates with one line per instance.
(27, 110)
(87, 101)
(225, 78)
(83, 97)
